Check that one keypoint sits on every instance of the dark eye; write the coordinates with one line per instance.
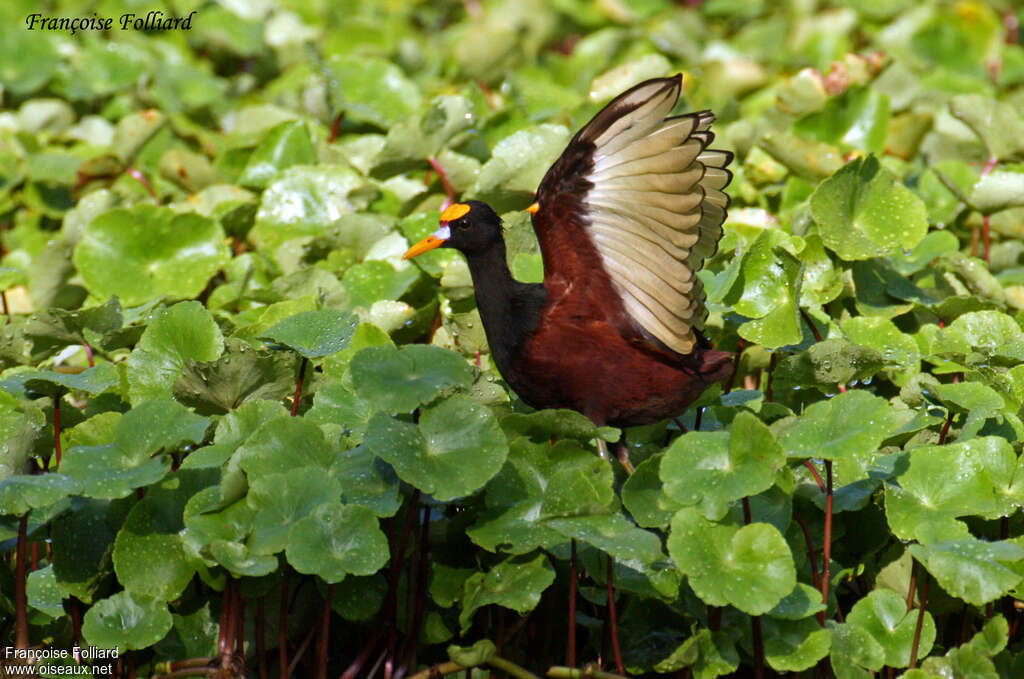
(462, 224)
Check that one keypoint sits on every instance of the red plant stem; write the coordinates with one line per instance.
(7, 312)
(570, 651)
(363, 656)
(141, 178)
(714, 618)
(297, 398)
(88, 355)
(912, 587)
(613, 621)
(56, 426)
(261, 640)
(20, 598)
(812, 560)
(920, 621)
(391, 605)
(771, 373)
(34, 562)
(76, 622)
(696, 420)
(449, 192)
(817, 477)
(222, 627)
(390, 601)
(826, 566)
(409, 661)
(335, 128)
(240, 629)
(810, 324)
(735, 368)
(945, 428)
(282, 628)
(986, 239)
(755, 620)
(325, 630)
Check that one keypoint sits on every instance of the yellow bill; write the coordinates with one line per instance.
(434, 240)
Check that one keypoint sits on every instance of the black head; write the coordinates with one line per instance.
(471, 227)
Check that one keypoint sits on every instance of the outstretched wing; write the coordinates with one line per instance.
(648, 194)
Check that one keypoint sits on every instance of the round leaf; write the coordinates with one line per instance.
(147, 252)
(454, 451)
(883, 614)
(399, 380)
(314, 334)
(717, 468)
(337, 540)
(863, 212)
(749, 567)
(126, 621)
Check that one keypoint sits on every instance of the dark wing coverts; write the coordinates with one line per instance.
(653, 204)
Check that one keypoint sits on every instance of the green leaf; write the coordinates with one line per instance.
(857, 119)
(515, 583)
(82, 540)
(305, 200)
(126, 621)
(900, 352)
(770, 274)
(185, 331)
(997, 123)
(371, 90)
(644, 495)
(371, 281)
(24, 492)
(285, 145)
(366, 481)
(714, 469)
(884, 616)
(516, 166)
(314, 334)
(93, 381)
(114, 469)
(338, 404)
(241, 375)
(282, 444)
(635, 549)
(974, 570)
(794, 645)
(399, 380)
(998, 190)
(844, 426)
(942, 483)
(149, 557)
(862, 212)
(456, 448)
(538, 475)
(43, 593)
(337, 540)
(147, 252)
(281, 500)
(28, 59)
(828, 364)
(801, 603)
(854, 644)
(749, 567)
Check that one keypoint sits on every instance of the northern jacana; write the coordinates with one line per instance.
(625, 218)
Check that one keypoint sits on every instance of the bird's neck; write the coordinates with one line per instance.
(509, 309)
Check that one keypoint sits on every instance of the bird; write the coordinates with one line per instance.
(624, 218)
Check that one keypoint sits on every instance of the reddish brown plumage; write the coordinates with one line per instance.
(572, 342)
